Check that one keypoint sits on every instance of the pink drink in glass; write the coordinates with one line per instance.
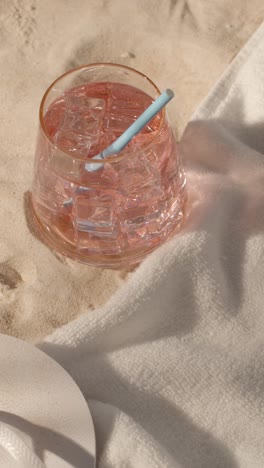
(134, 201)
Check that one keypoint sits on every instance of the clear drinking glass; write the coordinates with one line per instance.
(113, 216)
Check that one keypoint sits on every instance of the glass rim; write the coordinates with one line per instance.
(120, 155)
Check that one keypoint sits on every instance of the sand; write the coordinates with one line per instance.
(180, 44)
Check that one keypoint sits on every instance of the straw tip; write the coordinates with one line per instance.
(169, 93)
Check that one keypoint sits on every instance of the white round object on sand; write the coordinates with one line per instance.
(44, 418)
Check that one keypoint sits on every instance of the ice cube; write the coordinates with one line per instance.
(120, 114)
(128, 109)
(73, 142)
(93, 212)
(84, 115)
(137, 174)
(124, 94)
(86, 124)
(116, 122)
(84, 103)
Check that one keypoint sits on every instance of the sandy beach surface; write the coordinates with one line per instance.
(181, 44)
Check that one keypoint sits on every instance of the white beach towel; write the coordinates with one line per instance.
(173, 364)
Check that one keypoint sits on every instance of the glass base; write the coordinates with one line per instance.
(115, 262)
